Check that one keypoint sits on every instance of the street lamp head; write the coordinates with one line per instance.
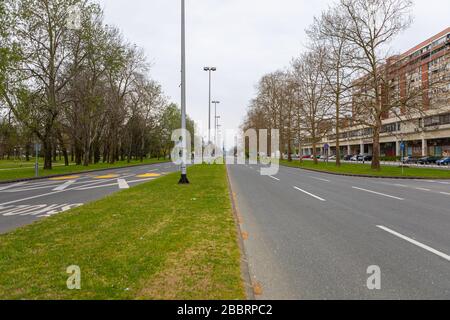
(206, 68)
(216, 102)
(213, 69)
(210, 68)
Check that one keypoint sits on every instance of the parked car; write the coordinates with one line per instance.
(364, 157)
(428, 160)
(347, 157)
(443, 162)
(410, 160)
(332, 158)
(354, 158)
(308, 156)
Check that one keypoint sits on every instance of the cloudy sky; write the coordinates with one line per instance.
(244, 39)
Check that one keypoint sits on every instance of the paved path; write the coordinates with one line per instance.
(313, 235)
(25, 202)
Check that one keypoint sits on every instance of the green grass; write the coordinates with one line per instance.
(158, 240)
(11, 170)
(365, 169)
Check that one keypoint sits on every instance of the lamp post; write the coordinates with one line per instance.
(209, 70)
(183, 179)
(215, 119)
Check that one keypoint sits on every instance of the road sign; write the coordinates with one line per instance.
(402, 146)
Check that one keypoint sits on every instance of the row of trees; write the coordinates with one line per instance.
(345, 78)
(75, 85)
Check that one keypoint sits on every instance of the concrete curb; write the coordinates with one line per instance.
(245, 269)
(365, 176)
(74, 173)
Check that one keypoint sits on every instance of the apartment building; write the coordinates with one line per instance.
(424, 133)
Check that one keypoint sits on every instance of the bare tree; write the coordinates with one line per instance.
(372, 24)
(312, 85)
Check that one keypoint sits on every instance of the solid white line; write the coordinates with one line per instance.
(378, 193)
(447, 183)
(123, 184)
(64, 185)
(320, 179)
(417, 243)
(12, 185)
(401, 185)
(274, 178)
(445, 193)
(310, 194)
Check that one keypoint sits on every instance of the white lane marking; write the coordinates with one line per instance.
(378, 193)
(123, 184)
(417, 243)
(36, 210)
(422, 189)
(65, 185)
(55, 192)
(309, 194)
(274, 178)
(445, 193)
(320, 179)
(400, 185)
(12, 185)
(441, 182)
(112, 184)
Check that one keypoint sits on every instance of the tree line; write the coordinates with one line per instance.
(346, 77)
(75, 85)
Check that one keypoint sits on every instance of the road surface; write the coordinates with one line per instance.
(314, 236)
(25, 202)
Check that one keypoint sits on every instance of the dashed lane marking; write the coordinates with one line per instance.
(310, 194)
(274, 178)
(320, 179)
(378, 193)
(417, 243)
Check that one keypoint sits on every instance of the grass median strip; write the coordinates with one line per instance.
(18, 172)
(366, 170)
(158, 240)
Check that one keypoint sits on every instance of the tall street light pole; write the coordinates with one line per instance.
(209, 70)
(183, 179)
(215, 119)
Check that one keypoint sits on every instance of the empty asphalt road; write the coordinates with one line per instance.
(25, 202)
(313, 236)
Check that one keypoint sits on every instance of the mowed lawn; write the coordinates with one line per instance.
(158, 240)
(12, 170)
(365, 169)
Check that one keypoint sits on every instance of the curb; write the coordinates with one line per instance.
(245, 269)
(364, 175)
(80, 172)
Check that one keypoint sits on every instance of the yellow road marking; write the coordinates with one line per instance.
(64, 178)
(148, 175)
(108, 176)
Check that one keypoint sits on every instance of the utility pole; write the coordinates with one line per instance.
(215, 120)
(209, 70)
(183, 179)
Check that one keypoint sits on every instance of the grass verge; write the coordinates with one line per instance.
(158, 240)
(366, 170)
(11, 173)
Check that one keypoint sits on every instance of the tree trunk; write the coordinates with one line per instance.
(376, 147)
(47, 145)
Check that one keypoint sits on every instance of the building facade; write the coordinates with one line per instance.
(425, 133)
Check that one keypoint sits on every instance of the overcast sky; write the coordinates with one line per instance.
(244, 39)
